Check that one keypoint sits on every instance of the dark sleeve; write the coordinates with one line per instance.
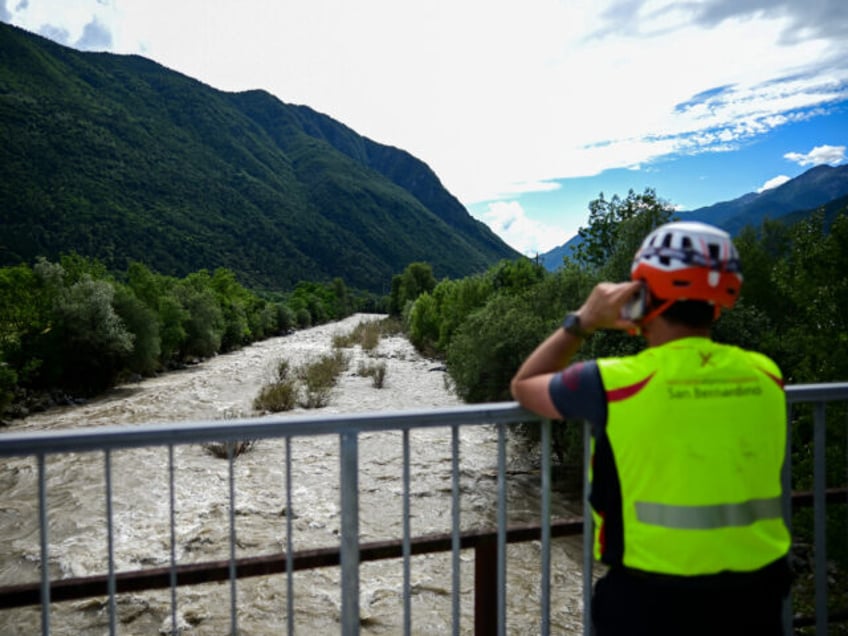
(578, 393)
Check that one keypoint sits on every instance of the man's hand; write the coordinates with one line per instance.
(602, 309)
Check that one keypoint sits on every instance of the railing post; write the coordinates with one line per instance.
(819, 516)
(588, 531)
(485, 588)
(45, 561)
(786, 481)
(349, 487)
(545, 521)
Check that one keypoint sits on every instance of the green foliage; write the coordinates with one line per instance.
(375, 370)
(415, 280)
(616, 229)
(366, 334)
(319, 377)
(121, 160)
(75, 326)
(280, 394)
(142, 323)
(205, 324)
(91, 340)
(491, 344)
(8, 382)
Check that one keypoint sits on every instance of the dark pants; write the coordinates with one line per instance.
(728, 604)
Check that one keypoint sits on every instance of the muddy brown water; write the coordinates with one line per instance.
(225, 386)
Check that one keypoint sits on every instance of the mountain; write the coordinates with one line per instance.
(119, 158)
(812, 189)
(820, 188)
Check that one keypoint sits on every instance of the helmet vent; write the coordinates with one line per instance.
(665, 260)
(715, 251)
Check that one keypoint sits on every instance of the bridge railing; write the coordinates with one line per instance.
(351, 552)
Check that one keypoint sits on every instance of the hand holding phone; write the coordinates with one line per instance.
(635, 308)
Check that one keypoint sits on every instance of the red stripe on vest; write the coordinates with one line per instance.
(628, 391)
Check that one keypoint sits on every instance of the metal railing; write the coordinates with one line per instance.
(351, 552)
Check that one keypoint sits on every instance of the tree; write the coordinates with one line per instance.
(204, 326)
(616, 229)
(142, 322)
(490, 345)
(416, 279)
(93, 341)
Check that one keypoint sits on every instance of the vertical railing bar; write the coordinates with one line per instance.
(110, 542)
(455, 525)
(819, 516)
(501, 529)
(546, 528)
(786, 484)
(289, 544)
(232, 498)
(588, 531)
(349, 488)
(407, 539)
(45, 566)
(172, 507)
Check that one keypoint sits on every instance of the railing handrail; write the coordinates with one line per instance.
(112, 437)
(19, 443)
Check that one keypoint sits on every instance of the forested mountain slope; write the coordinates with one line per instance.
(119, 158)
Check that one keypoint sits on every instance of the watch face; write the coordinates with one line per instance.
(572, 326)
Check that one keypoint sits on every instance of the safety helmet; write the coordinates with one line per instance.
(689, 260)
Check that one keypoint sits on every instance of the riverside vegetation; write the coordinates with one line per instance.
(792, 307)
(310, 384)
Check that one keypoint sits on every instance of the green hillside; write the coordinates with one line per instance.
(121, 159)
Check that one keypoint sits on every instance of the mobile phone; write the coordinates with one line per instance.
(635, 308)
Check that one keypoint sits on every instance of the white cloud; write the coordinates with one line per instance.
(773, 183)
(530, 237)
(818, 155)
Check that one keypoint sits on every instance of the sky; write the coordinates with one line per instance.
(526, 111)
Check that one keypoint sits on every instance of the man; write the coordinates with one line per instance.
(689, 439)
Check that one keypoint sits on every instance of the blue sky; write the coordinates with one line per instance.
(525, 110)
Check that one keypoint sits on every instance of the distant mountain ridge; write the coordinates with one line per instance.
(119, 158)
(808, 191)
(823, 186)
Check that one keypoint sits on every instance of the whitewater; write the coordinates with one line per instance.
(224, 387)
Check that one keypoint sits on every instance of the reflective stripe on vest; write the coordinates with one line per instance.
(709, 517)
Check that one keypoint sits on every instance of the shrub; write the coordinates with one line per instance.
(319, 378)
(280, 394)
(375, 370)
(277, 396)
(303, 318)
(8, 381)
(366, 334)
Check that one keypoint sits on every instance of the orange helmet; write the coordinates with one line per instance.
(689, 260)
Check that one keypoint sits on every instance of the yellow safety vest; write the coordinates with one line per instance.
(698, 437)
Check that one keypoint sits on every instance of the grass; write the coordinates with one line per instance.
(319, 377)
(309, 385)
(375, 370)
(367, 334)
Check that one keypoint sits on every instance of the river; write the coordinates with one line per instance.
(225, 386)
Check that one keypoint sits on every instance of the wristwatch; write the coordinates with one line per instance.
(572, 325)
